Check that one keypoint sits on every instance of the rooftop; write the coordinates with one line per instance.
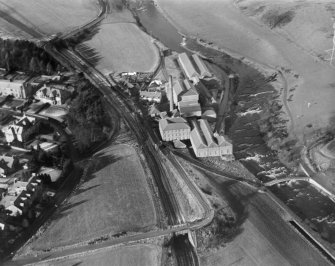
(187, 65)
(174, 123)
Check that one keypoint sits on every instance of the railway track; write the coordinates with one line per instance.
(130, 114)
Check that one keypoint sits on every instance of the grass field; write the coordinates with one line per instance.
(113, 198)
(295, 46)
(123, 47)
(36, 18)
(141, 254)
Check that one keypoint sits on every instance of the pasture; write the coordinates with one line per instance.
(114, 197)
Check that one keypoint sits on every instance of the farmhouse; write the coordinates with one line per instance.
(187, 66)
(175, 128)
(205, 143)
(55, 94)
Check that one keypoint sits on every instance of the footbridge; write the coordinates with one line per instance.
(286, 179)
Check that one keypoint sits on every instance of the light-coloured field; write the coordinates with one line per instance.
(295, 47)
(141, 254)
(113, 198)
(123, 47)
(36, 18)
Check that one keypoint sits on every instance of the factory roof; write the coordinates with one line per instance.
(204, 72)
(187, 65)
(202, 135)
(174, 123)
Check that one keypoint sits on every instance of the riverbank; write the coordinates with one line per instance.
(250, 146)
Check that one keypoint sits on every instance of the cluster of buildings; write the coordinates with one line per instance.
(18, 196)
(184, 94)
(55, 89)
(204, 142)
(194, 67)
(17, 130)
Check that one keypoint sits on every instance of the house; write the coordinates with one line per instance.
(187, 66)
(14, 84)
(21, 195)
(175, 128)
(56, 94)
(203, 69)
(17, 130)
(8, 164)
(206, 144)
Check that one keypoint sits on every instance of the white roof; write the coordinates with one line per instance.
(187, 65)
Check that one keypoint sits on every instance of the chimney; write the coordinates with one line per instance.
(231, 83)
(171, 93)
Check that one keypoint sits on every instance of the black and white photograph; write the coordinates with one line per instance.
(167, 132)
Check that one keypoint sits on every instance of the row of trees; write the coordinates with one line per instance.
(26, 56)
(87, 117)
(273, 129)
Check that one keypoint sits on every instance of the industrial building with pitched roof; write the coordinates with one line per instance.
(205, 143)
(187, 66)
(186, 97)
(174, 128)
(203, 69)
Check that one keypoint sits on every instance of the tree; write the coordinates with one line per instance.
(49, 68)
(34, 65)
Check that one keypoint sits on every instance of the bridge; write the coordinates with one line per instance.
(286, 179)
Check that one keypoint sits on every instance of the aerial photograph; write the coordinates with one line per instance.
(167, 132)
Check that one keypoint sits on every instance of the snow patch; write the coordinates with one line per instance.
(250, 112)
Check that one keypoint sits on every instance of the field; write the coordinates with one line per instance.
(113, 198)
(296, 46)
(37, 18)
(141, 254)
(123, 48)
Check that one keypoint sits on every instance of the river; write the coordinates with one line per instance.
(316, 209)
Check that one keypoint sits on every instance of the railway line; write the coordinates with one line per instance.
(127, 111)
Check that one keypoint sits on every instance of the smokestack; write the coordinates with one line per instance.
(231, 83)
(171, 93)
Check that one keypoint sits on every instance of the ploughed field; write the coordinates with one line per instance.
(113, 198)
(39, 18)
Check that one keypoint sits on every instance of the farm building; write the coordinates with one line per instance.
(187, 66)
(203, 69)
(175, 128)
(55, 94)
(205, 143)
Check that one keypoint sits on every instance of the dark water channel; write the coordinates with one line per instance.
(307, 202)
